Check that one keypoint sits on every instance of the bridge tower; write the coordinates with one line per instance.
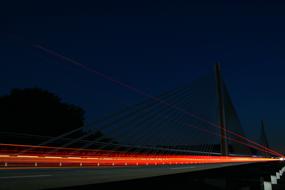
(221, 105)
(263, 137)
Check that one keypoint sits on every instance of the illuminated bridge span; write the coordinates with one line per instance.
(194, 124)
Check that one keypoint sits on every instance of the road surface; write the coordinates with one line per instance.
(48, 178)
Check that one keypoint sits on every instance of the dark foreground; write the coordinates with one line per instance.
(215, 176)
(242, 177)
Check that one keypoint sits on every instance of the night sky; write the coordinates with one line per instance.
(154, 46)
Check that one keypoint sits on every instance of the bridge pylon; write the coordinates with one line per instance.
(263, 138)
(221, 106)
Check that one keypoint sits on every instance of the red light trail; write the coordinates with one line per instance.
(124, 160)
(9, 157)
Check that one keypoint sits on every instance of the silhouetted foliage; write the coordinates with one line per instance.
(36, 111)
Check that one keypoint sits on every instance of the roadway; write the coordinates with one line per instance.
(36, 178)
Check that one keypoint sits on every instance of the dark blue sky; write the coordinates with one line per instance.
(154, 46)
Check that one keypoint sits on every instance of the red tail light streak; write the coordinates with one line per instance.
(9, 157)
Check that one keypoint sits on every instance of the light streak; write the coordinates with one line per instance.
(26, 156)
(4, 156)
(131, 160)
(52, 157)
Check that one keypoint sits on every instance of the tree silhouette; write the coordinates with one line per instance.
(37, 111)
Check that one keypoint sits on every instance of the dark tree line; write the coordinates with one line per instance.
(37, 112)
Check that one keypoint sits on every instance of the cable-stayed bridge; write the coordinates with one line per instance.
(192, 127)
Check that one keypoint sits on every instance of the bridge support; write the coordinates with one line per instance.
(263, 139)
(223, 133)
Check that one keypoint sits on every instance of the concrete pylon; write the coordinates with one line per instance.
(263, 138)
(220, 93)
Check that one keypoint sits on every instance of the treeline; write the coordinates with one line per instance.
(37, 112)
